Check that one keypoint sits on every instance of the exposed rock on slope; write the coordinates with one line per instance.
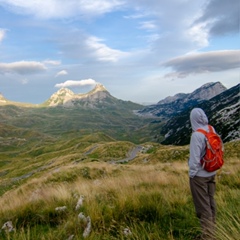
(171, 106)
(67, 98)
(60, 97)
(223, 112)
(2, 99)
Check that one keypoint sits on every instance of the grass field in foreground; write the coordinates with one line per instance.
(149, 198)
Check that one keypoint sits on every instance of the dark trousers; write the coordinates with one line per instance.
(203, 189)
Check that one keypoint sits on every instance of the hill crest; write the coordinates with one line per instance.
(67, 98)
(173, 105)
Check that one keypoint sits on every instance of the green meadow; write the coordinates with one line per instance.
(145, 198)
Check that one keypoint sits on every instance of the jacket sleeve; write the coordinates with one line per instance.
(197, 150)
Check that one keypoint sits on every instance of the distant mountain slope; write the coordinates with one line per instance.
(80, 114)
(171, 106)
(2, 99)
(96, 98)
(5, 102)
(223, 112)
(69, 114)
(118, 121)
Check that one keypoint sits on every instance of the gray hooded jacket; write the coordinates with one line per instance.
(198, 120)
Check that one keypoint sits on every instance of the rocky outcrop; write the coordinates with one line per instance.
(223, 113)
(173, 105)
(2, 99)
(67, 98)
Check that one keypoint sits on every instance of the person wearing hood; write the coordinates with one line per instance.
(202, 183)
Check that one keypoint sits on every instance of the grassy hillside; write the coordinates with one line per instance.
(145, 198)
(117, 121)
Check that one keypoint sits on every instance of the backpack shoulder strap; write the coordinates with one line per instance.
(201, 131)
(205, 132)
(210, 128)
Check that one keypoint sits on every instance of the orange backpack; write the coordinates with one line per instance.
(213, 158)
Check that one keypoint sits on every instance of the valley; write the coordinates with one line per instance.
(129, 171)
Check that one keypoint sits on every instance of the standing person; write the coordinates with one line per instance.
(202, 183)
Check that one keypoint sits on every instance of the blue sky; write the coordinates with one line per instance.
(140, 50)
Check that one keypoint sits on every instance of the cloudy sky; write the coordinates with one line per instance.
(140, 50)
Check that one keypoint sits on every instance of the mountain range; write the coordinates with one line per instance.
(96, 98)
(98, 111)
(223, 113)
(66, 113)
(173, 105)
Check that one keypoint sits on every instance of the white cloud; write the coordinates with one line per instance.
(75, 83)
(196, 63)
(99, 6)
(61, 9)
(22, 67)
(76, 44)
(102, 52)
(199, 34)
(114, 49)
(61, 73)
(52, 62)
(148, 25)
(2, 34)
(135, 16)
(24, 81)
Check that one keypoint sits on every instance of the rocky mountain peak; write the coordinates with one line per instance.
(67, 98)
(59, 97)
(98, 88)
(207, 91)
(2, 99)
(172, 105)
(64, 92)
(222, 111)
(170, 99)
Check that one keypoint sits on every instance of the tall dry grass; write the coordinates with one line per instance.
(152, 201)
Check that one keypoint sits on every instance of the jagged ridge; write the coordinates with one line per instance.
(67, 98)
(223, 113)
(171, 106)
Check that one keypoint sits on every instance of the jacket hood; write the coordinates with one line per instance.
(198, 119)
